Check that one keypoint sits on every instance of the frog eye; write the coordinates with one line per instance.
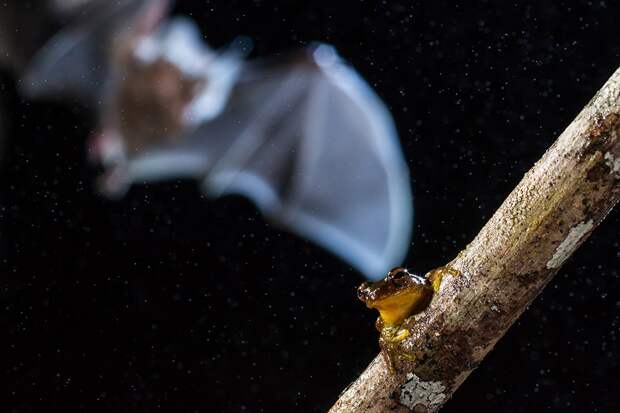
(398, 274)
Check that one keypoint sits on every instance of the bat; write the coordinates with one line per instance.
(303, 136)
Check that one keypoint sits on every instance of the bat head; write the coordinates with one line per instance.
(145, 111)
(162, 84)
(148, 101)
(146, 98)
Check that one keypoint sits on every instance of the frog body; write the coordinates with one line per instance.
(398, 297)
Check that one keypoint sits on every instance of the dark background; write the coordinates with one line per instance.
(167, 300)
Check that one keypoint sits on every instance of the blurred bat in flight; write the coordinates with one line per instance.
(304, 136)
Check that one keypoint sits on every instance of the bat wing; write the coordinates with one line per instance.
(76, 60)
(317, 150)
(314, 147)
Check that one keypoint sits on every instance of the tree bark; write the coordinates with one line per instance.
(555, 207)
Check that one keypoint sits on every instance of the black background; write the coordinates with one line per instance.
(167, 300)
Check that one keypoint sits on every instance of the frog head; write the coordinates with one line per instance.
(399, 295)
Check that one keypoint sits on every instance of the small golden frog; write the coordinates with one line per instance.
(397, 297)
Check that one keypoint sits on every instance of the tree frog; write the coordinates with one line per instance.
(397, 297)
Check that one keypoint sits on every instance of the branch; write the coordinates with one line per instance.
(555, 207)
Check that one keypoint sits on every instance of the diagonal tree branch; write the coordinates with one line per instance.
(555, 207)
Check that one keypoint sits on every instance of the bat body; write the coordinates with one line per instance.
(304, 137)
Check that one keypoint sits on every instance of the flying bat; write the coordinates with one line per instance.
(303, 136)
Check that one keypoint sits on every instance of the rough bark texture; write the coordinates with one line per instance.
(567, 193)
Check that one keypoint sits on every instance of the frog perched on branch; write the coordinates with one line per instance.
(398, 297)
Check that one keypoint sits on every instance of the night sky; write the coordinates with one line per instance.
(168, 301)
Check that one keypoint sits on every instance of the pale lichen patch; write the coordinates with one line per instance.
(422, 396)
(566, 248)
(613, 163)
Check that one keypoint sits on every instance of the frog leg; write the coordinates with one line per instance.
(386, 353)
(400, 335)
(398, 338)
(436, 276)
(389, 341)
